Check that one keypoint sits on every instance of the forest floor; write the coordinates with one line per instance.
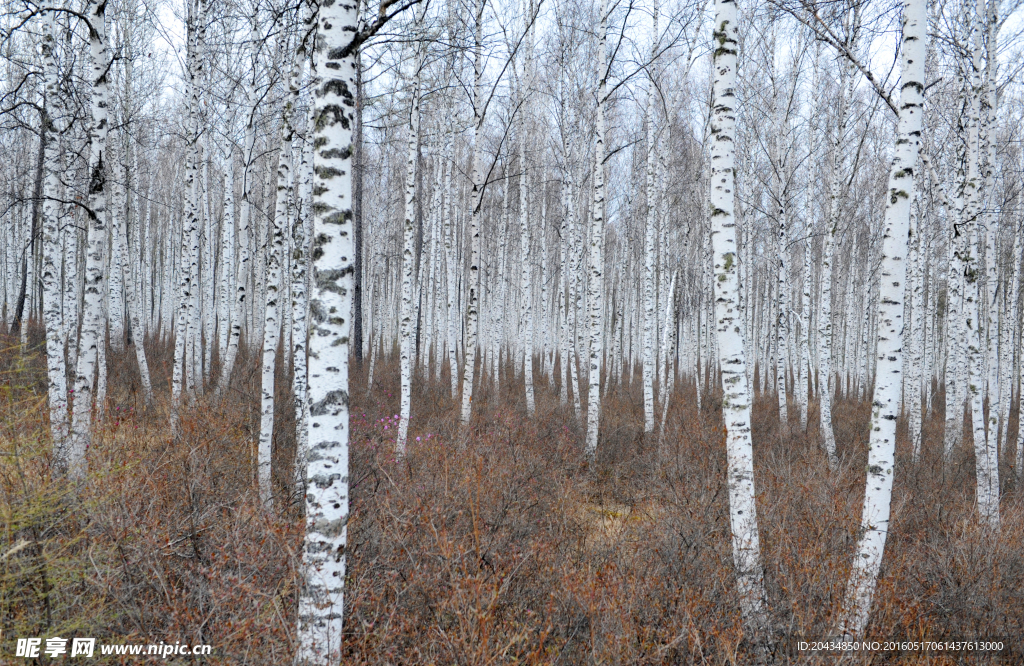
(495, 545)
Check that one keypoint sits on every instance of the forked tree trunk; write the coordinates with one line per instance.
(92, 310)
(275, 285)
(184, 327)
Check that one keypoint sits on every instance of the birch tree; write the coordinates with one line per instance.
(92, 309)
(595, 282)
(408, 249)
(875, 514)
(729, 325)
(473, 296)
(57, 393)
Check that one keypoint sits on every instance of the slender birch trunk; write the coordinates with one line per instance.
(184, 328)
(240, 307)
(275, 283)
(407, 335)
(805, 335)
(912, 386)
(728, 325)
(595, 286)
(667, 351)
(450, 266)
(954, 342)
(885, 405)
(57, 392)
(526, 287)
(115, 301)
(473, 297)
(227, 263)
(985, 454)
(781, 293)
(1018, 251)
(299, 292)
(649, 230)
(120, 238)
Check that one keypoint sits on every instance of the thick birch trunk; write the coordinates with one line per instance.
(92, 309)
(321, 599)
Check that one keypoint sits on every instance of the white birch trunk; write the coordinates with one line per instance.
(300, 298)
(885, 405)
(57, 391)
(321, 598)
(92, 308)
(1018, 250)
(985, 453)
(120, 239)
(595, 293)
(184, 328)
(209, 281)
(667, 351)
(273, 309)
(227, 263)
(805, 335)
(407, 336)
(450, 266)
(649, 231)
(473, 298)
(912, 385)
(115, 302)
(736, 400)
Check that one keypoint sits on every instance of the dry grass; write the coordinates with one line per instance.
(491, 546)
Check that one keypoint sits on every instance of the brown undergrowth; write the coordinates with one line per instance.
(491, 545)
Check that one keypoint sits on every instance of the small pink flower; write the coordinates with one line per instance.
(417, 439)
